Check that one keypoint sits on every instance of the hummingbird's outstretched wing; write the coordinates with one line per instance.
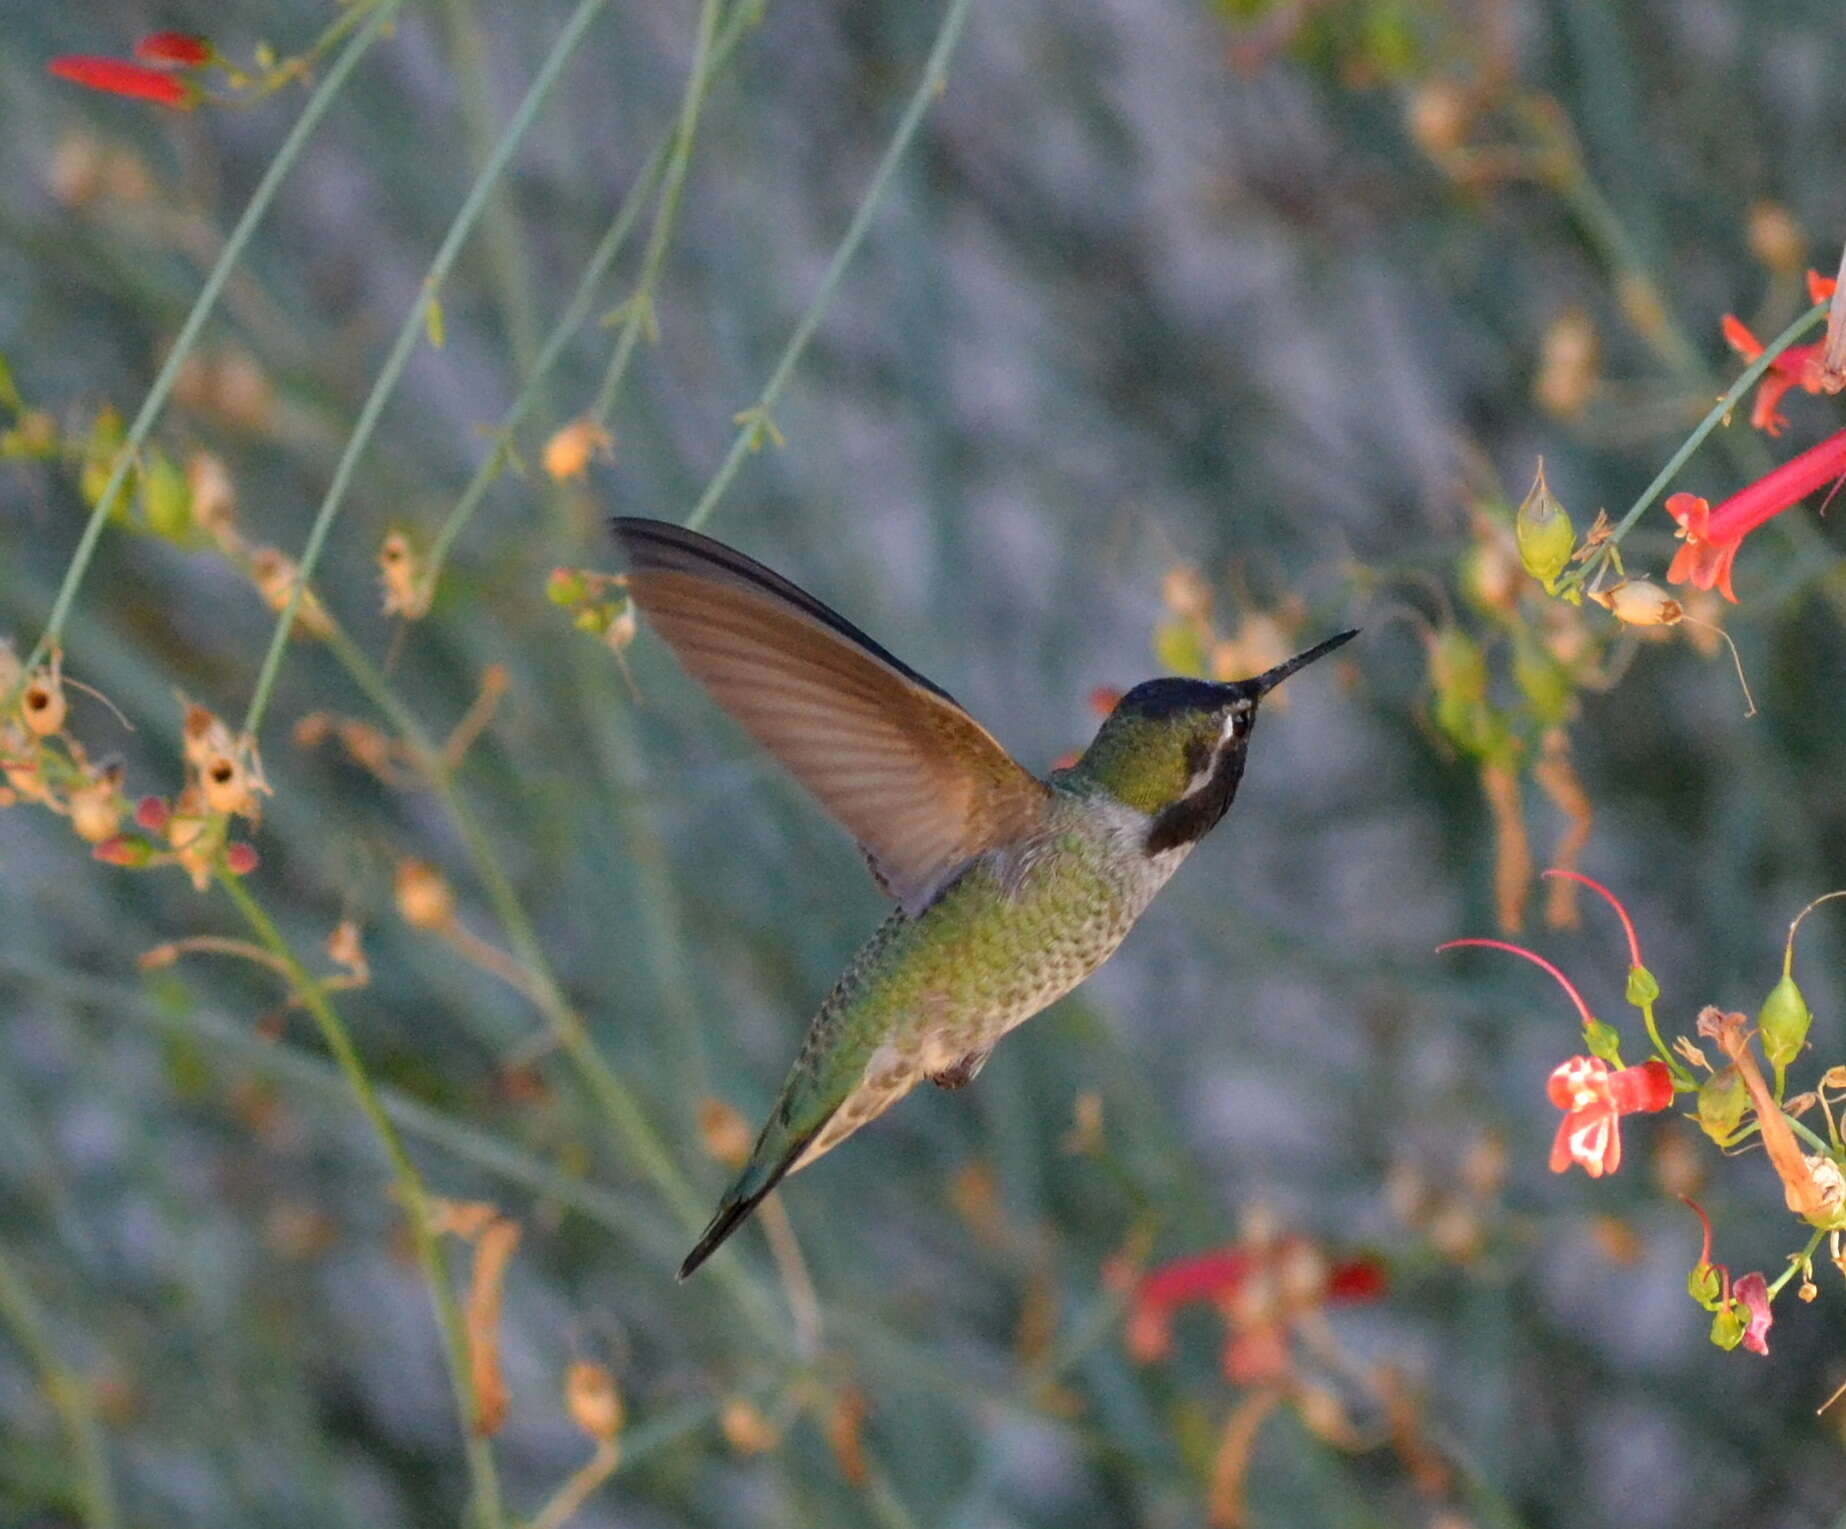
(918, 782)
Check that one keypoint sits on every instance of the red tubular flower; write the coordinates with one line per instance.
(1297, 1275)
(1712, 537)
(1594, 1099)
(1752, 1291)
(122, 79)
(173, 50)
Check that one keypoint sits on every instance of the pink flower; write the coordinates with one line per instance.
(1594, 1099)
(239, 859)
(1753, 1292)
(122, 79)
(1712, 537)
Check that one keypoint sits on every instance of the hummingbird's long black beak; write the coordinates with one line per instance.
(1264, 683)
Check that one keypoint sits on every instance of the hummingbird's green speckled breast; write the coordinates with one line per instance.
(1017, 930)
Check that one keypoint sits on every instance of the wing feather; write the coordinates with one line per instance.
(919, 783)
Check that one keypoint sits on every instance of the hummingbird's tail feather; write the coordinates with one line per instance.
(752, 1187)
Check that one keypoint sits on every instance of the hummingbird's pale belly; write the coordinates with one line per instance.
(1008, 938)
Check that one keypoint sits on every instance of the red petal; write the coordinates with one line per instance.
(1647, 1087)
(1358, 1279)
(123, 79)
(1739, 338)
(1820, 288)
(1201, 1278)
(174, 50)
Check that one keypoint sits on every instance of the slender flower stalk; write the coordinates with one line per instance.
(1712, 536)
(1538, 961)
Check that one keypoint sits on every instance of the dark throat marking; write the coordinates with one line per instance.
(1192, 817)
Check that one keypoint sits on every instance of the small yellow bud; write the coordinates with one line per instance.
(166, 502)
(745, 1428)
(1775, 238)
(1185, 593)
(1568, 361)
(401, 575)
(275, 577)
(723, 1133)
(570, 449)
(214, 503)
(424, 899)
(96, 810)
(1437, 117)
(594, 1404)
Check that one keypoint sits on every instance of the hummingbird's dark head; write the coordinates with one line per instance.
(1174, 748)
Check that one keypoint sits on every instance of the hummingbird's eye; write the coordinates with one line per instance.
(1237, 725)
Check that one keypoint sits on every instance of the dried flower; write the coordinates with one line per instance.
(592, 1400)
(567, 454)
(424, 899)
(1752, 1293)
(399, 572)
(96, 809)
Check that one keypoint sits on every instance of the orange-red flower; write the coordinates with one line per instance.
(173, 50)
(1712, 536)
(123, 79)
(1594, 1098)
(1799, 366)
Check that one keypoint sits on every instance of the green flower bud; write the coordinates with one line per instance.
(1642, 988)
(1727, 1326)
(1722, 1100)
(1703, 1286)
(1783, 1020)
(1543, 683)
(1604, 1041)
(1179, 648)
(566, 586)
(1544, 534)
(166, 501)
(99, 454)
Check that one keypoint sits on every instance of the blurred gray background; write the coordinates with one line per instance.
(1158, 283)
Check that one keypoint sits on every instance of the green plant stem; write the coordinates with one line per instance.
(488, 1513)
(1808, 1136)
(575, 312)
(638, 310)
(409, 334)
(69, 1396)
(500, 231)
(1797, 1263)
(1715, 416)
(617, 1101)
(756, 419)
(202, 307)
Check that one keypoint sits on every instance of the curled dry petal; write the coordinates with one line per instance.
(1753, 1292)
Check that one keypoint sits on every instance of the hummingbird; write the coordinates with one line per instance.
(1009, 889)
